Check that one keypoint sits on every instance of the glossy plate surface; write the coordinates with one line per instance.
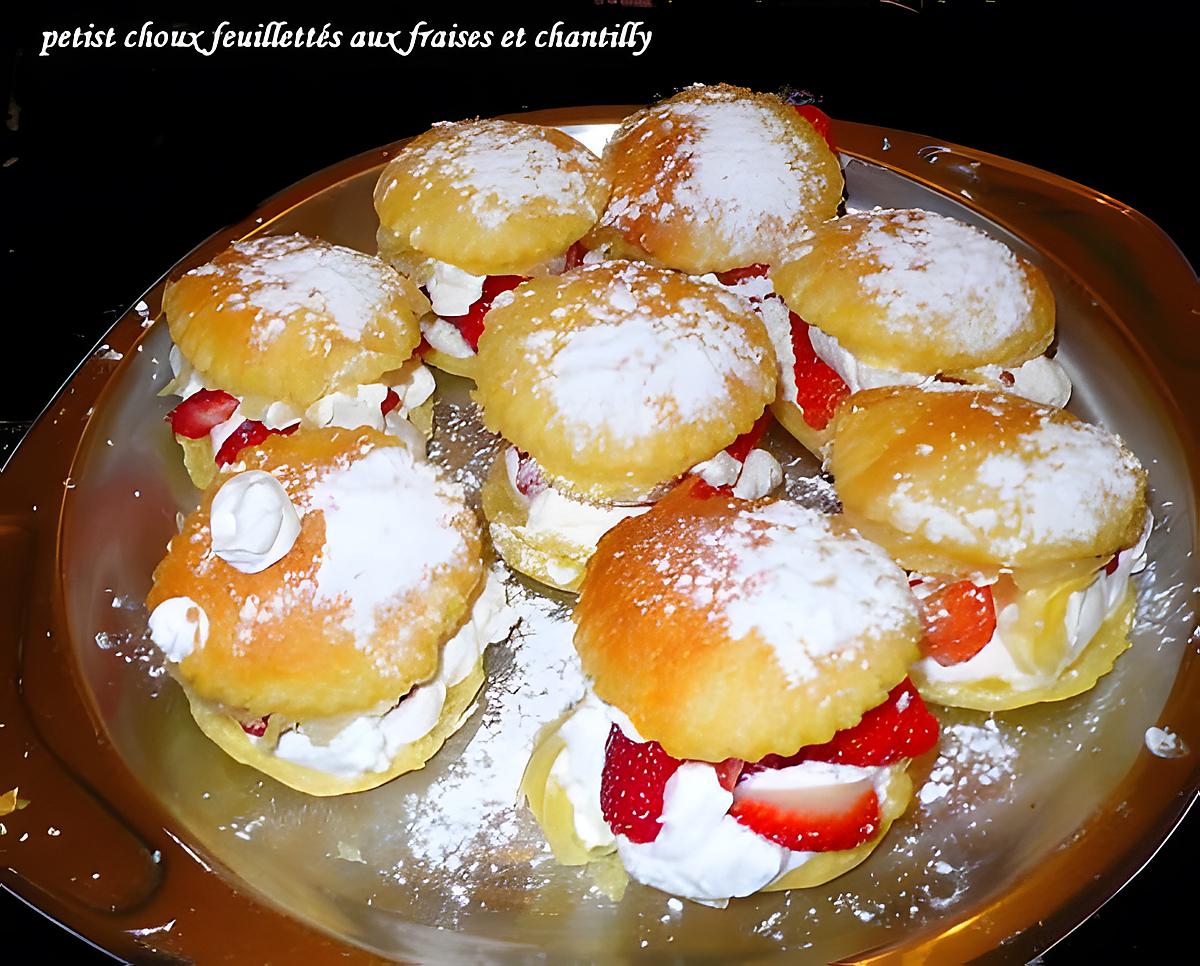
(143, 836)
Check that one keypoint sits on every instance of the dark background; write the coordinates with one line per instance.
(116, 163)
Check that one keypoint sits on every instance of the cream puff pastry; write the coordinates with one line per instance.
(470, 209)
(907, 297)
(1020, 525)
(326, 608)
(715, 178)
(749, 723)
(610, 381)
(283, 332)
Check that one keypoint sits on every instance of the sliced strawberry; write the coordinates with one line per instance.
(901, 727)
(740, 448)
(1110, 568)
(820, 121)
(819, 389)
(574, 257)
(257, 727)
(959, 620)
(810, 824)
(423, 347)
(728, 772)
(735, 275)
(195, 417)
(701, 489)
(390, 401)
(631, 786)
(250, 433)
(470, 325)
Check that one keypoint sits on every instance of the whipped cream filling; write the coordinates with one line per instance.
(371, 742)
(253, 522)
(1041, 380)
(557, 514)
(445, 337)
(1087, 609)
(451, 290)
(348, 409)
(702, 852)
(178, 626)
(751, 480)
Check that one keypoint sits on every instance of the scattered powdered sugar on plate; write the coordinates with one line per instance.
(1164, 743)
(971, 757)
(469, 820)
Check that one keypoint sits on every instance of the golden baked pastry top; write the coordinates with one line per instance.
(957, 479)
(619, 377)
(728, 628)
(914, 291)
(383, 571)
(491, 197)
(715, 178)
(284, 318)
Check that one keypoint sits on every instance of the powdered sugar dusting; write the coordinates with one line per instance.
(676, 365)
(927, 264)
(740, 169)
(289, 274)
(389, 526)
(500, 166)
(809, 593)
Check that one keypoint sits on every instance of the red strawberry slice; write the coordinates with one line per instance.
(958, 620)
(821, 122)
(631, 786)
(574, 257)
(828, 819)
(740, 448)
(390, 401)
(735, 275)
(257, 727)
(1110, 568)
(728, 772)
(901, 727)
(195, 417)
(470, 325)
(250, 433)
(819, 389)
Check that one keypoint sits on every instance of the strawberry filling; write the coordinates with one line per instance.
(735, 275)
(740, 448)
(195, 417)
(390, 401)
(958, 621)
(250, 433)
(820, 121)
(257, 727)
(819, 389)
(574, 256)
(825, 818)
(470, 325)
(631, 788)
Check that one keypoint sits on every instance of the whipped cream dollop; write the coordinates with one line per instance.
(178, 626)
(451, 290)
(1086, 611)
(253, 522)
(702, 852)
(371, 742)
(554, 513)
(751, 480)
(445, 337)
(1042, 379)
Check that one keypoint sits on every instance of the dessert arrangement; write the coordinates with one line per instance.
(759, 676)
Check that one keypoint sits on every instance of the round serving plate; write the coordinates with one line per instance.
(142, 836)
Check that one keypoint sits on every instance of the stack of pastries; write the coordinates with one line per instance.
(633, 324)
